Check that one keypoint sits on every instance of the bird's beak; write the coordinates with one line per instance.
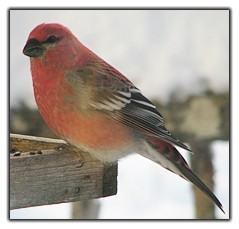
(33, 48)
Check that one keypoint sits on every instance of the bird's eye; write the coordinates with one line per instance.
(52, 39)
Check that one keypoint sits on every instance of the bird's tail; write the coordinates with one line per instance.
(168, 156)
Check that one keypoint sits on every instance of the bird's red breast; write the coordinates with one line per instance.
(87, 128)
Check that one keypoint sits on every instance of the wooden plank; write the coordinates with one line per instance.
(24, 143)
(55, 176)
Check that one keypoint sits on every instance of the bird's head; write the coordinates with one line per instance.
(43, 38)
(54, 44)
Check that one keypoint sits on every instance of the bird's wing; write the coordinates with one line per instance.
(119, 99)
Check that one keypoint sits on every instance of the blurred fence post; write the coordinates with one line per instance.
(85, 209)
(202, 165)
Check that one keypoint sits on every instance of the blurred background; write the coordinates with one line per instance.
(180, 60)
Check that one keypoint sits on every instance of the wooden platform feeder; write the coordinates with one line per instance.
(49, 171)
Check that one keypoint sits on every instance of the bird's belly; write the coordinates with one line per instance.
(101, 136)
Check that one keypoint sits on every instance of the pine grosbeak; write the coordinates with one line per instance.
(93, 106)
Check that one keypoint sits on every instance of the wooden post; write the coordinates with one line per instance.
(85, 209)
(48, 171)
(202, 164)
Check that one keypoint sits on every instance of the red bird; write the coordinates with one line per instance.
(93, 106)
